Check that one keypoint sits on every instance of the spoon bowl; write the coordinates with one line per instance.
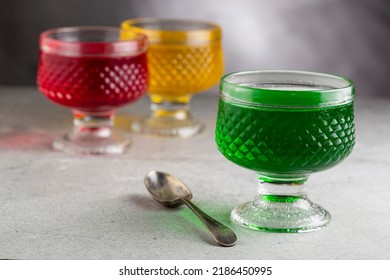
(166, 188)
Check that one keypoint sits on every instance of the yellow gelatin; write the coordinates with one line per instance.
(184, 57)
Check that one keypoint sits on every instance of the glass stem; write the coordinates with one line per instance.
(97, 125)
(177, 109)
(282, 189)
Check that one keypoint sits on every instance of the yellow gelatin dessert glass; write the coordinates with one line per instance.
(184, 58)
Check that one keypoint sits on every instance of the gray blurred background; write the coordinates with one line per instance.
(343, 37)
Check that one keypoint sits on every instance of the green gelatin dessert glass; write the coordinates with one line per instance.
(284, 125)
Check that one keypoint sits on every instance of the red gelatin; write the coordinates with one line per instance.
(92, 83)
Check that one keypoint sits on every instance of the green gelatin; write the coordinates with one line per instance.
(288, 141)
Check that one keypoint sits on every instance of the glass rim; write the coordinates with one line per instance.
(211, 31)
(285, 97)
(136, 44)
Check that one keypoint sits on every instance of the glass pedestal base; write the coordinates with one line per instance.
(169, 119)
(73, 143)
(168, 126)
(281, 207)
(92, 135)
(281, 214)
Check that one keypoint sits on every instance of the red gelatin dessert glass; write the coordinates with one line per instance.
(93, 71)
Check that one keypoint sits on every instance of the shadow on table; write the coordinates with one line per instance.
(145, 202)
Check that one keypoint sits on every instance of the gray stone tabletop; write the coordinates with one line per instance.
(57, 206)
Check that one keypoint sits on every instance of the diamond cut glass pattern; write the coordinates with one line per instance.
(92, 71)
(70, 81)
(284, 125)
(185, 58)
(262, 142)
(181, 70)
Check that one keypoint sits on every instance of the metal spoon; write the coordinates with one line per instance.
(172, 192)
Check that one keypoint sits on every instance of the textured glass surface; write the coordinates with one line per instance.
(92, 83)
(184, 57)
(295, 214)
(177, 71)
(286, 141)
(88, 70)
(284, 125)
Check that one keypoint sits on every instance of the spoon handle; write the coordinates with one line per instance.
(221, 233)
